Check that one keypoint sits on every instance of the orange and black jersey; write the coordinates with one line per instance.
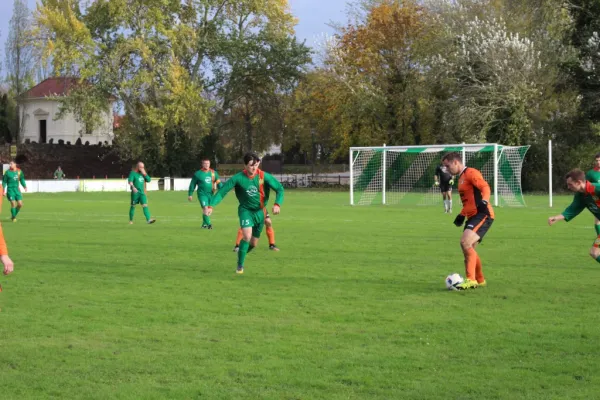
(472, 189)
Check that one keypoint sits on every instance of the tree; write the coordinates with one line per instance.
(20, 56)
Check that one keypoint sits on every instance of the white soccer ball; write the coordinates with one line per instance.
(453, 280)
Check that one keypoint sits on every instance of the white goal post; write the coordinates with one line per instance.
(394, 174)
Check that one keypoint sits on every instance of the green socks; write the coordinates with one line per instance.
(146, 213)
(13, 212)
(19, 209)
(242, 252)
(250, 248)
(598, 259)
(206, 220)
(597, 226)
(131, 212)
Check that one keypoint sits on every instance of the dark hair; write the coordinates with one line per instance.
(453, 156)
(597, 155)
(576, 175)
(205, 159)
(250, 157)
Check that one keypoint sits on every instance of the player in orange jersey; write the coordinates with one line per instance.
(475, 196)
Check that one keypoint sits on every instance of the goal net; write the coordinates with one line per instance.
(394, 174)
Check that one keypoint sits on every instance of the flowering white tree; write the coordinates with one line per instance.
(495, 78)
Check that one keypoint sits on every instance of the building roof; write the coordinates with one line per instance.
(51, 87)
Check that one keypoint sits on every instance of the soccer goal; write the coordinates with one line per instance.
(395, 174)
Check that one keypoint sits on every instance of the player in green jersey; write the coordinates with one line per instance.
(593, 176)
(10, 183)
(250, 187)
(587, 195)
(206, 179)
(137, 181)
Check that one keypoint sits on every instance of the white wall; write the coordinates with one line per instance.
(66, 129)
(84, 185)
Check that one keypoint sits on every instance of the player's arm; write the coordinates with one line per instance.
(573, 210)
(218, 182)
(130, 182)
(226, 188)
(4, 258)
(147, 177)
(193, 184)
(436, 176)
(480, 183)
(22, 180)
(278, 188)
(4, 181)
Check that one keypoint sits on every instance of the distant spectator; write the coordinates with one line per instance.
(59, 174)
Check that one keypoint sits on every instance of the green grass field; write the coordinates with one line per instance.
(353, 307)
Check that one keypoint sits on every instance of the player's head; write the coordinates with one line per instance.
(576, 180)
(453, 161)
(12, 165)
(59, 167)
(597, 160)
(205, 163)
(251, 162)
(139, 166)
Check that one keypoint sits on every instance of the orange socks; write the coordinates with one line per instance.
(471, 263)
(478, 270)
(240, 235)
(271, 235)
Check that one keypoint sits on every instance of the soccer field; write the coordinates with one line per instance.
(353, 307)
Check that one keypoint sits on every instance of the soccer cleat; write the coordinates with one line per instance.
(273, 247)
(204, 226)
(13, 219)
(209, 227)
(130, 222)
(239, 270)
(467, 284)
(151, 221)
(236, 248)
(482, 284)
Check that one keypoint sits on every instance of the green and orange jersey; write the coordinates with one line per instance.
(12, 179)
(252, 191)
(139, 181)
(589, 199)
(205, 180)
(472, 189)
(593, 175)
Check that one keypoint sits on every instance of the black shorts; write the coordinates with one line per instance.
(479, 223)
(445, 187)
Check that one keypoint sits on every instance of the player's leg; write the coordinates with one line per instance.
(19, 199)
(259, 222)
(475, 228)
(246, 224)
(204, 202)
(270, 231)
(444, 197)
(449, 199)
(145, 209)
(595, 250)
(597, 226)
(13, 207)
(238, 239)
(135, 199)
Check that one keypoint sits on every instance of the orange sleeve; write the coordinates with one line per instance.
(3, 248)
(480, 183)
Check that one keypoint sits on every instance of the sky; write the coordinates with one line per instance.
(313, 16)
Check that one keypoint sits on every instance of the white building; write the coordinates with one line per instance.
(38, 108)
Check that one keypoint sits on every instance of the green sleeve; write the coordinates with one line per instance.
(276, 186)
(56, 173)
(574, 208)
(218, 179)
(4, 181)
(130, 178)
(147, 178)
(22, 179)
(589, 175)
(220, 195)
(193, 184)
